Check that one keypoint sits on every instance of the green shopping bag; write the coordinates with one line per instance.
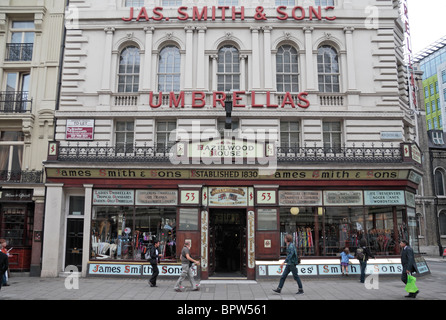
(411, 286)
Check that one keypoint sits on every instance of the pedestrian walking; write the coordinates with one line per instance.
(186, 264)
(4, 279)
(153, 256)
(363, 254)
(292, 259)
(345, 261)
(408, 263)
(3, 266)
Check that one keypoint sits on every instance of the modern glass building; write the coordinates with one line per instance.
(432, 62)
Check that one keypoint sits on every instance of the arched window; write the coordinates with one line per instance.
(442, 222)
(328, 69)
(129, 65)
(228, 69)
(287, 69)
(169, 69)
(439, 183)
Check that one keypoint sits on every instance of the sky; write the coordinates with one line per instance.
(427, 22)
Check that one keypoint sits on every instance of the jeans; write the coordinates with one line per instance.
(363, 265)
(288, 269)
(186, 272)
(155, 273)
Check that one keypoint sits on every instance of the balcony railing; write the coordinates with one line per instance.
(32, 176)
(305, 154)
(353, 154)
(15, 102)
(107, 153)
(19, 51)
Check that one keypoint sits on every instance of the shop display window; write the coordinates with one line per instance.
(16, 225)
(124, 233)
(266, 219)
(302, 224)
(188, 219)
(327, 231)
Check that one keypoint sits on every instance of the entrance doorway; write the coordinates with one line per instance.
(227, 240)
(75, 238)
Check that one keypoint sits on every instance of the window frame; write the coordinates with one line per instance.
(165, 145)
(331, 74)
(126, 134)
(234, 73)
(290, 65)
(288, 133)
(331, 145)
(135, 76)
(171, 52)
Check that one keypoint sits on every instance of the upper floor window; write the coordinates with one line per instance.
(285, 2)
(332, 135)
(443, 76)
(129, 65)
(14, 96)
(439, 183)
(437, 137)
(11, 152)
(163, 131)
(169, 70)
(134, 3)
(442, 222)
(124, 136)
(324, 2)
(287, 69)
(171, 3)
(228, 2)
(289, 134)
(328, 69)
(228, 69)
(20, 48)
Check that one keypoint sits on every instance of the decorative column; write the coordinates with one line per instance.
(309, 58)
(214, 58)
(104, 94)
(268, 73)
(52, 251)
(201, 70)
(351, 82)
(255, 58)
(243, 72)
(146, 83)
(189, 57)
(87, 227)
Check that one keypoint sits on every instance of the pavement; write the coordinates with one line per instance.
(431, 286)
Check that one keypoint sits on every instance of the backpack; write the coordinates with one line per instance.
(360, 254)
(150, 253)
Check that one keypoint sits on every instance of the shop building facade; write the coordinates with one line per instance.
(231, 125)
(30, 44)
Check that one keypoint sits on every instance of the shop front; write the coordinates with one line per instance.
(21, 215)
(236, 225)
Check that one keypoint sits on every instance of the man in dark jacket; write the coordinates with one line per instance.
(153, 257)
(3, 266)
(408, 263)
(363, 254)
(291, 261)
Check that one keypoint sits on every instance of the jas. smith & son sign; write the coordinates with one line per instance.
(222, 13)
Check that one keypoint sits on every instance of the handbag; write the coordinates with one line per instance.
(411, 286)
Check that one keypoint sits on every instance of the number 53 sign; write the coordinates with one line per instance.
(190, 197)
(266, 196)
